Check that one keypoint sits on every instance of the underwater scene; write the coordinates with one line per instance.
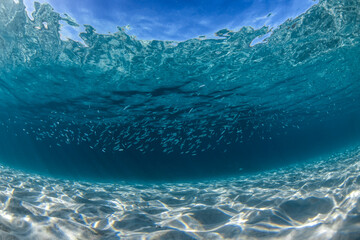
(247, 133)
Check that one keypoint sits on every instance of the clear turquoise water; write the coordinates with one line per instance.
(115, 109)
(316, 200)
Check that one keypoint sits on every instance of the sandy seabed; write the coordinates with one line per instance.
(314, 200)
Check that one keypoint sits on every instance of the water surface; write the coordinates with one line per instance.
(115, 137)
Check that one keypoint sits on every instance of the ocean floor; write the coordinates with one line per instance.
(314, 200)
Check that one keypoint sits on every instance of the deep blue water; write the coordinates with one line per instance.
(80, 162)
(114, 108)
(120, 108)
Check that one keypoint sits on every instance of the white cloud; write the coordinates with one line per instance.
(167, 27)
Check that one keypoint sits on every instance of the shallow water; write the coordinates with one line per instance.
(209, 138)
(314, 200)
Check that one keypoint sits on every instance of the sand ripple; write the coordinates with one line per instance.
(318, 200)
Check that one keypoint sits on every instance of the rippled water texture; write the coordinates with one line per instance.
(317, 200)
(117, 93)
(114, 107)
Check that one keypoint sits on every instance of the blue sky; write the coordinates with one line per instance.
(174, 19)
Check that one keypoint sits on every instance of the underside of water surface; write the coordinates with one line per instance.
(210, 138)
